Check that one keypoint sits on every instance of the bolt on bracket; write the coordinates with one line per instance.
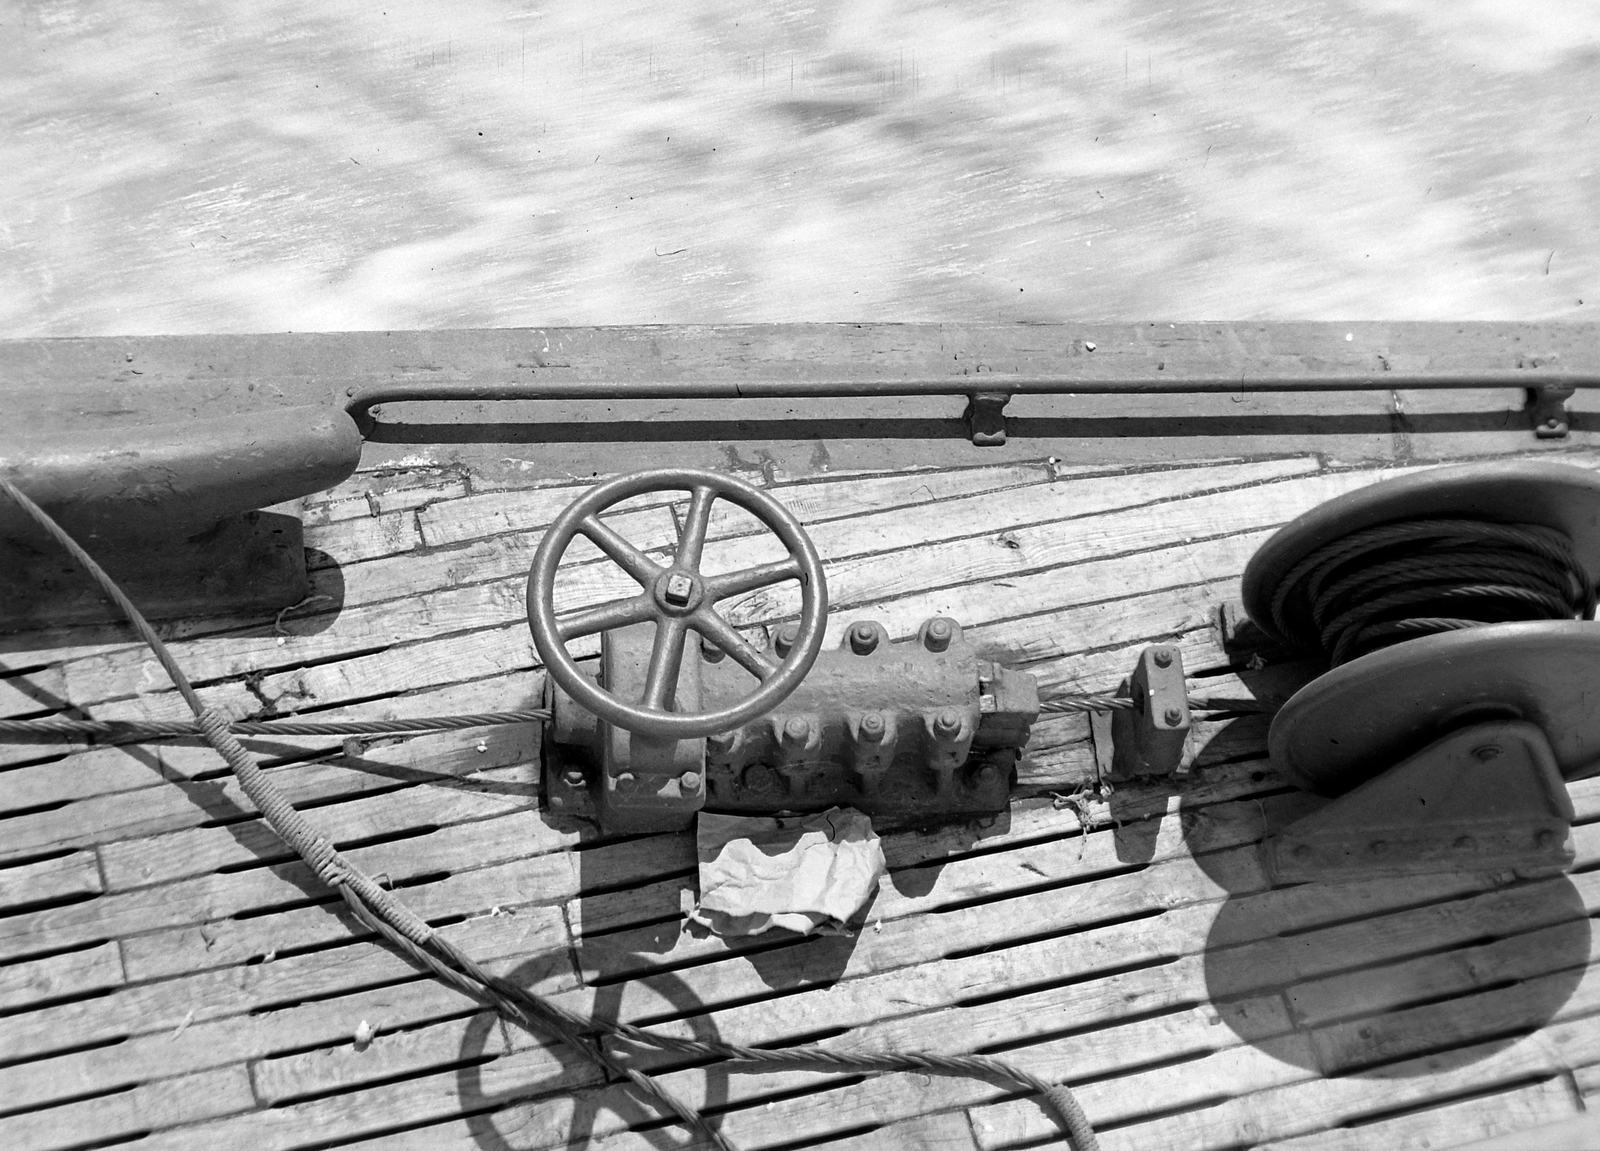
(986, 420)
(1547, 405)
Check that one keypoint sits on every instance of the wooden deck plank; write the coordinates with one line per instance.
(150, 1106)
(194, 909)
(167, 804)
(1454, 1124)
(49, 881)
(60, 976)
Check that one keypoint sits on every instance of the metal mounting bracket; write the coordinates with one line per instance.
(1148, 738)
(1483, 798)
(1547, 404)
(986, 420)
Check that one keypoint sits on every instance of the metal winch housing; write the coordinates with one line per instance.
(922, 727)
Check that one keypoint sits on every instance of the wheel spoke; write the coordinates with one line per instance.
(723, 586)
(720, 632)
(695, 524)
(661, 681)
(617, 613)
(629, 558)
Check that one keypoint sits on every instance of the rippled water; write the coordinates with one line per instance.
(200, 167)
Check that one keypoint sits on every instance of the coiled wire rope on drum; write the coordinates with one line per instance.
(1397, 581)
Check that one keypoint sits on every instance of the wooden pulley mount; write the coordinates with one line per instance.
(1455, 608)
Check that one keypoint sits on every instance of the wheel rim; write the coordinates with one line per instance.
(678, 599)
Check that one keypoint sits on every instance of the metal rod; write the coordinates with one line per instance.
(362, 399)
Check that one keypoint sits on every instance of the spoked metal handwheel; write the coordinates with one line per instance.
(678, 599)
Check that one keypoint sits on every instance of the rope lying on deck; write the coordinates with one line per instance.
(383, 913)
(135, 731)
(139, 731)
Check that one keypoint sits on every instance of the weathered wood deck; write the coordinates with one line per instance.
(171, 978)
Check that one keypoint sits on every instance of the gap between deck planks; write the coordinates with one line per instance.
(604, 891)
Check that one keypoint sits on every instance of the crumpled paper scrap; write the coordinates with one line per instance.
(806, 873)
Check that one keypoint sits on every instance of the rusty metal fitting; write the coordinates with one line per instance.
(796, 731)
(947, 724)
(784, 639)
(938, 634)
(873, 727)
(863, 638)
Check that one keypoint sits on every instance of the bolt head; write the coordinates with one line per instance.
(678, 590)
(863, 638)
(988, 774)
(573, 777)
(796, 730)
(873, 727)
(627, 782)
(689, 781)
(938, 634)
(1487, 752)
(1173, 716)
(1162, 656)
(947, 724)
(784, 639)
(760, 779)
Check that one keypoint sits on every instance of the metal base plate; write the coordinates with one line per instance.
(243, 565)
(1486, 797)
(1505, 491)
(1367, 715)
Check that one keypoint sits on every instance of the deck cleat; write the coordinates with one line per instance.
(1455, 610)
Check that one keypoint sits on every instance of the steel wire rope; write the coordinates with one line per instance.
(382, 913)
(1385, 584)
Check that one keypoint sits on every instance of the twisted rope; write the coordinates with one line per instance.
(382, 913)
(137, 731)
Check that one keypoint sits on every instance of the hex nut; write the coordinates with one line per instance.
(947, 724)
(938, 634)
(796, 730)
(1173, 716)
(863, 638)
(573, 777)
(1162, 656)
(783, 640)
(873, 727)
(627, 782)
(689, 781)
